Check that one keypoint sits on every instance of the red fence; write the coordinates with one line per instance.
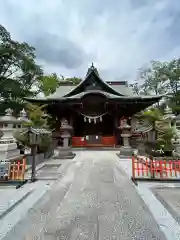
(145, 168)
(14, 170)
(17, 170)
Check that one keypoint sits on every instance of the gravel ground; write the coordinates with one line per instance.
(94, 200)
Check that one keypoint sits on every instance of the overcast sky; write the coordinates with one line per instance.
(119, 36)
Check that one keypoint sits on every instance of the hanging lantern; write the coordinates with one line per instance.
(84, 119)
(95, 120)
(89, 120)
(100, 118)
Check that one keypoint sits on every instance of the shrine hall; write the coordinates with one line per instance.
(94, 108)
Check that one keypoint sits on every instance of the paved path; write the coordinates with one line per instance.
(94, 200)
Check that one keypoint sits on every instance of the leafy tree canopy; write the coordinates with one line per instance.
(18, 70)
(37, 115)
(49, 83)
(161, 78)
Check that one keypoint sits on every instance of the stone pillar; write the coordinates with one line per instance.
(65, 152)
(66, 142)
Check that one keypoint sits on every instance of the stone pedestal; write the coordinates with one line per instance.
(8, 145)
(125, 149)
(65, 152)
(9, 152)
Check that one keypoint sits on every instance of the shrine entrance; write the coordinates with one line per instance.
(88, 133)
(93, 125)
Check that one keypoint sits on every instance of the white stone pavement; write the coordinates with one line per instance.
(15, 203)
(165, 220)
(94, 200)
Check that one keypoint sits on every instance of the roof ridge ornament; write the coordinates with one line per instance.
(92, 69)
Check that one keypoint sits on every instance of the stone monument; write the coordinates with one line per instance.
(8, 145)
(125, 149)
(65, 151)
(176, 142)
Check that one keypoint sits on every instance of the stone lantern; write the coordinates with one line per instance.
(23, 117)
(8, 145)
(169, 116)
(125, 128)
(65, 151)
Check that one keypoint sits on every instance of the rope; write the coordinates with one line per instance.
(93, 117)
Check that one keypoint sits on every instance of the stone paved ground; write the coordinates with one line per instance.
(170, 198)
(94, 200)
(159, 209)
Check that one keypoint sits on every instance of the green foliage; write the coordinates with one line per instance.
(43, 146)
(153, 114)
(18, 70)
(45, 142)
(37, 115)
(172, 72)
(151, 80)
(165, 140)
(161, 78)
(154, 78)
(39, 119)
(48, 84)
(73, 80)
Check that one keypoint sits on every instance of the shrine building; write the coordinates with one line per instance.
(94, 108)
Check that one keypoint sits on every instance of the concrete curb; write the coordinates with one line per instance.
(167, 206)
(15, 204)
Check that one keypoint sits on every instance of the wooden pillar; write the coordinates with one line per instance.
(115, 129)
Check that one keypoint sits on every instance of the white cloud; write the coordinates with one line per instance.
(118, 36)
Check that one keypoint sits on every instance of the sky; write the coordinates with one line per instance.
(118, 36)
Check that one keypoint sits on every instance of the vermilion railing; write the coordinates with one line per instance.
(145, 168)
(17, 170)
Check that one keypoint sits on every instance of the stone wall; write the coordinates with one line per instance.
(40, 158)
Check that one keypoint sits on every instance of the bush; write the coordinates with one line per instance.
(43, 147)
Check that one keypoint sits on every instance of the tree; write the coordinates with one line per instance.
(152, 115)
(172, 73)
(135, 87)
(38, 119)
(18, 70)
(37, 115)
(48, 84)
(154, 78)
(74, 80)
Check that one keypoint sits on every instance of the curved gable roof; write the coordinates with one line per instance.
(93, 71)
